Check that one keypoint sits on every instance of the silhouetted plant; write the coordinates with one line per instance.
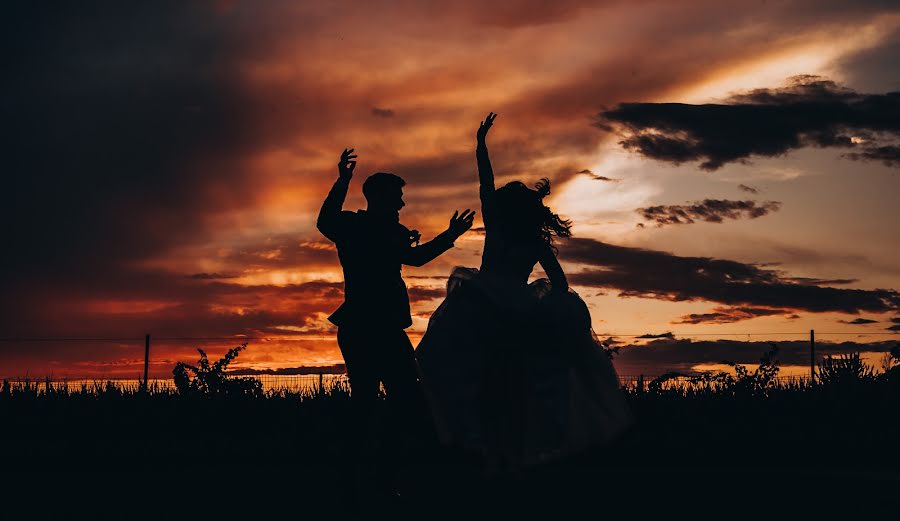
(887, 362)
(891, 365)
(710, 380)
(894, 358)
(211, 380)
(759, 381)
(657, 384)
(844, 369)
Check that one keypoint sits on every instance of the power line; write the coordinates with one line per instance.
(294, 339)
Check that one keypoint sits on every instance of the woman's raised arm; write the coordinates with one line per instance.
(485, 172)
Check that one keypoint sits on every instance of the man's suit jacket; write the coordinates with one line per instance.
(372, 251)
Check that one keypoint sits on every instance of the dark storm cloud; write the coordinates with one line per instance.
(667, 334)
(382, 113)
(213, 276)
(598, 177)
(730, 315)
(858, 321)
(422, 293)
(811, 111)
(887, 154)
(117, 119)
(749, 189)
(816, 281)
(894, 328)
(708, 210)
(659, 356)
(638, 272)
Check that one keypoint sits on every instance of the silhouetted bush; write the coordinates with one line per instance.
(843, 370)
(211, 380)
(744, 382)
(760, 381)
(656, 385)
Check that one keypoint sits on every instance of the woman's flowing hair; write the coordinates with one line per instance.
(522, 215)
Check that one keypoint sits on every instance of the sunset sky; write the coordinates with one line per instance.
(165, 162)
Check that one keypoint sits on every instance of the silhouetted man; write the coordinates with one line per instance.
(372, 246)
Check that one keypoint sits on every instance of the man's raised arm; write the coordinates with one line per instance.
(329, 221)
(422, 255)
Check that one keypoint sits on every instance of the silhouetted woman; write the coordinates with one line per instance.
(512, 369)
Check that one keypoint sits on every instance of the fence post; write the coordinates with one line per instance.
(812, 356)
(146, 385)
(321, 384)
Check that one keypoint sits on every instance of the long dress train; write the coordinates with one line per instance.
(514, 371)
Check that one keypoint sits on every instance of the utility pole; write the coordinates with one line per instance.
(145, 384)
(812, 355)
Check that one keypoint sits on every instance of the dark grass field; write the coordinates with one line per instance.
(710, 454)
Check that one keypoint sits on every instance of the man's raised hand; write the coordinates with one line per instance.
(460, 224)
(347, 163)
(485, 126)
(414, 237)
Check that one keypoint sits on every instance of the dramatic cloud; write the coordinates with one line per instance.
(420, 293)
(382, 113)
(749, 189)
(213, 276)
(811, 111)
(129, 304)
(122, 122)
(660, 356)
(708, 210)
(305, 369)
(165, 163)
(858, 321)
(817, 281)
(667, 334)
(638, 272)
(598, 177)
(723, 315)
(887, 154)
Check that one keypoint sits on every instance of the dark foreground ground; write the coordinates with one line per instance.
(823, 452)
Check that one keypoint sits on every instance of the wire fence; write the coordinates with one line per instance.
(241, 338)
(314, 383)
(307, 382)
(300, 383)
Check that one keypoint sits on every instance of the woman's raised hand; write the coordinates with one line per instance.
(485, 126)
(347, 163)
